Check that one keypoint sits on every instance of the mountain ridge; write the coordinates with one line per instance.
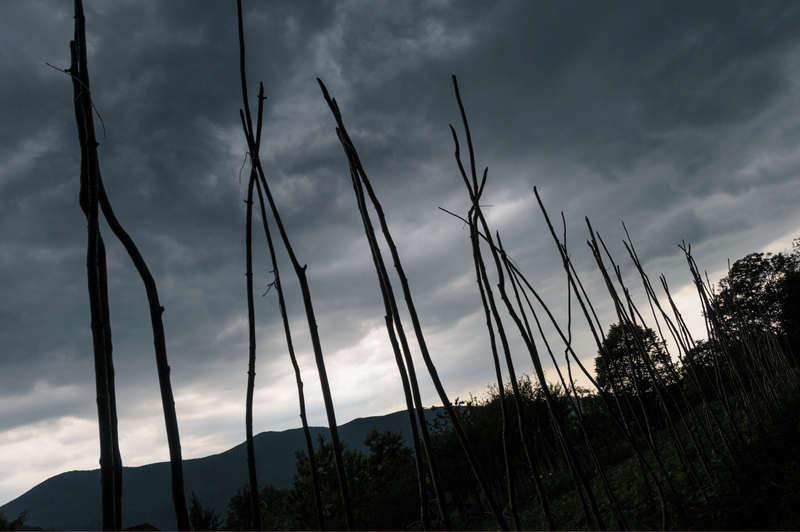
(71, 500)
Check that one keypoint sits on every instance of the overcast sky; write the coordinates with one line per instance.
(680, 118)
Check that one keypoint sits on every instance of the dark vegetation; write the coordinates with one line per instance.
(15, 524)
(707, 441)
(721, 454)
(382, 486)
(214, 479)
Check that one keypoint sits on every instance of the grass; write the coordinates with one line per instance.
(762, 493)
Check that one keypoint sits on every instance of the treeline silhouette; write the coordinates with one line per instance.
(704, 488)
(663, 439)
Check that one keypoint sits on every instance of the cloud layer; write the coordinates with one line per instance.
(678, 118)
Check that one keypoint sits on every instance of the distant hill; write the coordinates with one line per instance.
(71, 501)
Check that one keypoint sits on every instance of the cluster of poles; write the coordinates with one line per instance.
(749, 369)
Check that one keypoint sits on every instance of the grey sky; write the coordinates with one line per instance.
(680, 118)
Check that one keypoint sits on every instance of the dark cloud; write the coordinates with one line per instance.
(677, 117)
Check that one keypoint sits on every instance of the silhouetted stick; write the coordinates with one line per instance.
(654, 303)
(477, 216)
(251, 322)
(391, 318)
(162, 364)
(97, 279)
(490, 307)
(394, 323)
(97, 194)
(490, 311)
(635, 350)
(290, 346)
(112, 396)
(300, 271)
(589, 313)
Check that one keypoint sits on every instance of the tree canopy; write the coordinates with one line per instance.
(382, 488)
(623, 362)
(762, 293)
(202, 517)
(15, 524)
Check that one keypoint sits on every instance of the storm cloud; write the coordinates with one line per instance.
(680, 118)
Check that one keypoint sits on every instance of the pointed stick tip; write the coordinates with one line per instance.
(324, 89)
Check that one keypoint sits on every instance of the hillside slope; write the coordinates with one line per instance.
(71, 501)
